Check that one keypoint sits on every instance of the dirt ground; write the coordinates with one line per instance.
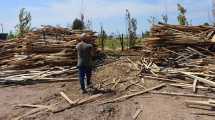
(154, 107)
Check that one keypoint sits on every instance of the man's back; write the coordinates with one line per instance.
(84, 54)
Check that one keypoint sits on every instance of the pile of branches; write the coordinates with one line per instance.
(42, 55)
(48, 45)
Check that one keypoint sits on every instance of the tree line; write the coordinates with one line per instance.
(25, 18)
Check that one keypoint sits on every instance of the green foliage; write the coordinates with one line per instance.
(78, 24)
(181, 17)
(24, 25)
(132, 29)
(206, 24)
(145, 34)
(11, 35)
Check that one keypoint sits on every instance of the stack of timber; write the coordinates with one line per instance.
(181, 57)
(47, 53)
(165, 34)
(48, 45)
(180, 52)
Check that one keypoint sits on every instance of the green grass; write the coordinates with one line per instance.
(114, 44)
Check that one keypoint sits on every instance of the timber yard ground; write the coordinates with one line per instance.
(152, 106)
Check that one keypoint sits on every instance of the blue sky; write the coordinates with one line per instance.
(109, 13)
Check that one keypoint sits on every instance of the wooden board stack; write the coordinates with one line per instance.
(164, 35)
(180, 56)
(53, 46)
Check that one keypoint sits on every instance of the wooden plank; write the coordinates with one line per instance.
(211, 83)
(133, 63)
(182, 94)
(36, 110)
(77, 102)
(67, 98)
(194, 85)
(201, 103)
(162, 79)
(137, 113)
(191, 86)
(34, 106)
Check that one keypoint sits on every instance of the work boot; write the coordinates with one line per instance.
(83, 92)
(90, 86)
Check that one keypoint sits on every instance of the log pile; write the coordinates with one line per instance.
(181, 57)
(53, 46)
(164, 35)
(46, 54)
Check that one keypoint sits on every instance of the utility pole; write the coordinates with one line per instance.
(82, 10)
(2, 29)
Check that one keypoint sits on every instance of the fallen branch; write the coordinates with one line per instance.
(135, 94)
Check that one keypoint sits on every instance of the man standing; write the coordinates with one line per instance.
(85, 54)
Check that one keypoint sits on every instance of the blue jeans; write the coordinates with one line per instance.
(85, 72)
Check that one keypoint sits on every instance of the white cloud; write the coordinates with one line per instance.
(111, 12)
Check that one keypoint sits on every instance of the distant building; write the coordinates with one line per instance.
(3, 36)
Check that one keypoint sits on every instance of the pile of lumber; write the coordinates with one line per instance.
(47, 54)
(53, 46)
(180, 56)
(164, 35)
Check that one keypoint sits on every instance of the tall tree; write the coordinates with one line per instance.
(132, 29)
(182, 19)
(88, 24)
(24, 25)
(152, 20)
(121, 39)
(103, 37)
(78, 24)
(165, 18)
